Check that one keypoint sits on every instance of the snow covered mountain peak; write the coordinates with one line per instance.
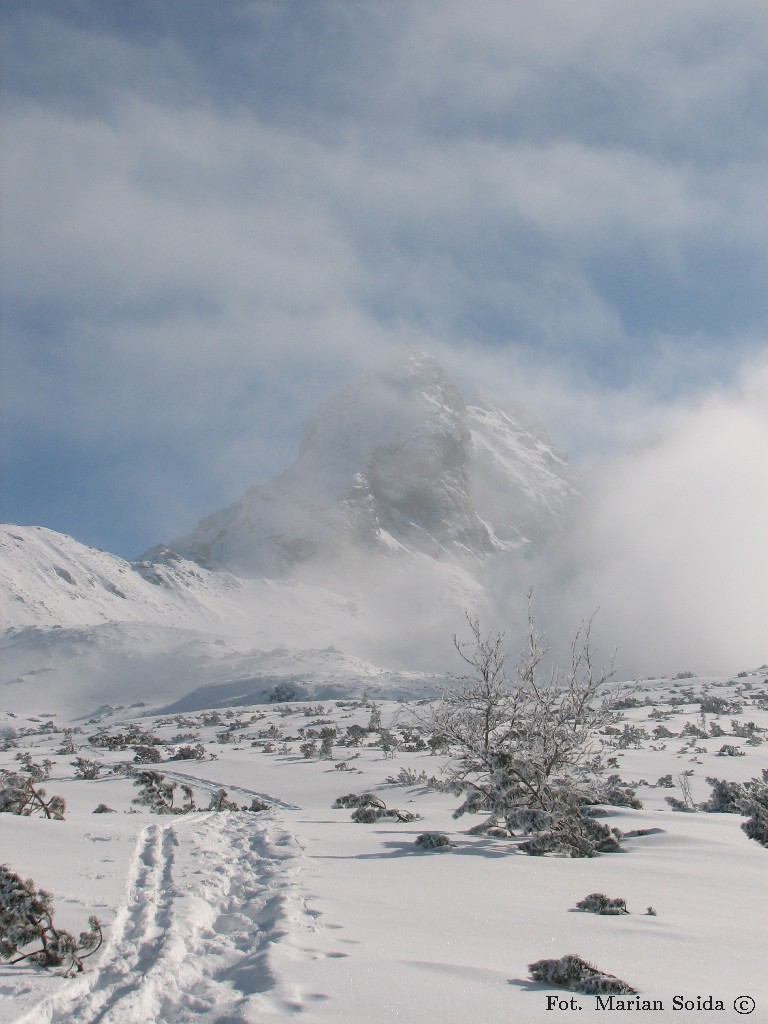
(393, 463)
(387, 526)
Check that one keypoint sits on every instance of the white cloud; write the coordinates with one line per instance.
(210, 251)
(673, 546)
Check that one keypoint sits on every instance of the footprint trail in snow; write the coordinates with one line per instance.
(207, 901)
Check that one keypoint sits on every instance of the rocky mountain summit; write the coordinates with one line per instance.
(395, 463)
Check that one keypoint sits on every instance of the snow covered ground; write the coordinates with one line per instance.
(239, 916)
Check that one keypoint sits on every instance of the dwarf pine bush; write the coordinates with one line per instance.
(19, 794)
(220, 802)
(367, 814)
(434, 841)
(26, 920)
(599, 903)
(358, 800)
(578, 975)
(160, 796)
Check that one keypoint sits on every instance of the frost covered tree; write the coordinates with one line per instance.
(525, 746)
(28, 933)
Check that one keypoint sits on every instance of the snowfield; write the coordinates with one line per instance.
(238, 916)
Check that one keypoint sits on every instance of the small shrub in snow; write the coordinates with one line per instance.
(614, 794)
(661, 732)
(726, 798)
(86, 768)
(358, 800)
(327, 738)
(19, 794)
(68, 744)
(744, 730)
(399, 815)
(407, 777)
(189, 752)
(433, 841)
(715, 705)
(220, 802)
(729, 750)
(308, 749)
(37, 772)
(574, 836)
(631, 736)
(146, 754)
(367, 814)
(579, 975)
(160, 796)
(103, 809)
(679, 805)
(26, 919)
(686, 804)
(599, 903)
(756, 827)
(257, 804)
(665, 782)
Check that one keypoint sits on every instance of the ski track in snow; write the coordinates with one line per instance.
(206, 903)
(214, 787)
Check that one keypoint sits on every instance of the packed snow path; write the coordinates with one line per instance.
(206, 901)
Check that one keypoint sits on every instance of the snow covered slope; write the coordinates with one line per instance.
(86, 629)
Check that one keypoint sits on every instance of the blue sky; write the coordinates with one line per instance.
(217, 213)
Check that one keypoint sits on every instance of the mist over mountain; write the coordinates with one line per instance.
(407, 506)
(397, 464)
(364, 553)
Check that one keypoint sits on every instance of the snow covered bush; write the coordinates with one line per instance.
(159, 795)
(615, 794)
(573, 835)
(220, 802)
(26, 919)
(19, 794)
(358, 800)
(85, 768)
(407, 777)
(599, 903)
(578, 975)
(434, 841)
(189, 752)
(756, 826)
(748, 798)
(146, 754)
(529, 744)
(367, 815)
(37, 772)
(726, 797)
